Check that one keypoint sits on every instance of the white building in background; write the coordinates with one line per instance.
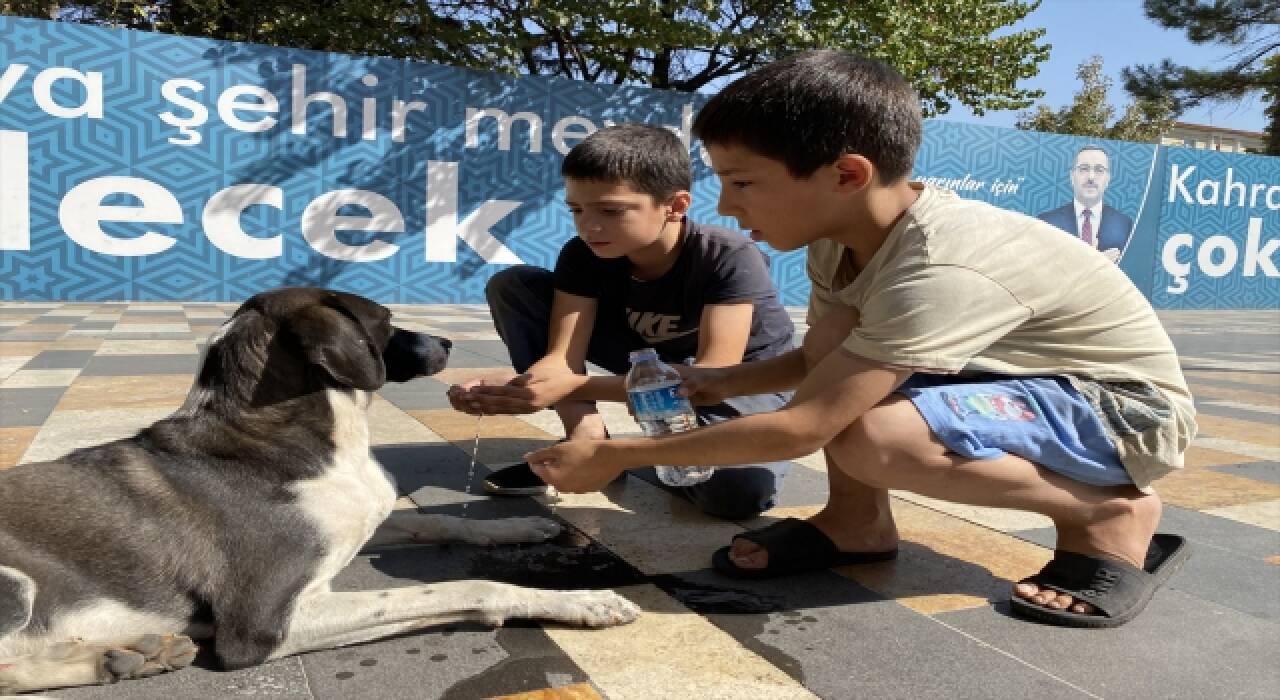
(1214, 138)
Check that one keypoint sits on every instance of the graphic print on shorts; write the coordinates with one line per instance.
(990, 406)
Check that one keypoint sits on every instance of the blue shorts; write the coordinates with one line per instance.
(1044, 420)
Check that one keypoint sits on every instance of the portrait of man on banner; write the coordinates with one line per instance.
(1086, 216)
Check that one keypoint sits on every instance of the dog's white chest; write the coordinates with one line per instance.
(355, 494)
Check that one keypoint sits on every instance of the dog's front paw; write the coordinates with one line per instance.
(148, 656)
(594, 609)
(510, 531)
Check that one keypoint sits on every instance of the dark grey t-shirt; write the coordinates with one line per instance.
(715, 266)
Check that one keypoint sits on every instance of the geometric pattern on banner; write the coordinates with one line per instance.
(442, 172)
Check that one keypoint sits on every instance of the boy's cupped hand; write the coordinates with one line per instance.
(521, 394)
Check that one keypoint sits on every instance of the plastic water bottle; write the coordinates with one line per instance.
(651, 389)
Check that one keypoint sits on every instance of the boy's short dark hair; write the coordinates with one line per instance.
(649, 158)
(810, 108)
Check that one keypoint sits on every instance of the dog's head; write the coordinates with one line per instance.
(296, 337)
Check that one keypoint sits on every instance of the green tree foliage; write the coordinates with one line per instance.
(1251, 28)
(1090, 114)
(947, 48)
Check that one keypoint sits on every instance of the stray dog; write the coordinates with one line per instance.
(228, 520)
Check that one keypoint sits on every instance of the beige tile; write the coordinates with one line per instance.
(1252, 450)
(73, 341)
(577, 691)
(650, 658)
(1265, 399)
(201, 332)
(1201, 489)
(65, 431)
(23, 348)
(11, 364)
(1198, 456)
(148, 347)
(1002, 519)
(1263, 514)
(152, 319)
(14, 441)
(1261, 379)
(33, 378)
(151, 328)
(140, 391)
(1265, 434)
(388, 425)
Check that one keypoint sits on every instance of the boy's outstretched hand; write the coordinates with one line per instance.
(575, 466)
(525, 393)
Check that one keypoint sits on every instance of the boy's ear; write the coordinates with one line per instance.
(678, 205)
(854, 172)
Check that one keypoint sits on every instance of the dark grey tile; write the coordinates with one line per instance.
(28, 407)
(495, 349)
(1180, 647)
(423, 393)
(60, 359)
(54, 320)
(284, 679)
(126, 365)
(1227, 563)
(459, 358)
(94, 325)
(1261, 471)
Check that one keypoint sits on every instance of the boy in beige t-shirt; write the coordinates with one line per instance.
(955, 349)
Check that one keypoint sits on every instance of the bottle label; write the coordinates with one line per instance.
(658, 403)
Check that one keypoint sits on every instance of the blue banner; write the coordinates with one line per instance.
(151, 167)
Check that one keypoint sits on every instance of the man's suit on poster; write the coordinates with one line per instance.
(1115, 225)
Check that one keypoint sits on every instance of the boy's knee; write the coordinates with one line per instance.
(736, 493)
(515, 282)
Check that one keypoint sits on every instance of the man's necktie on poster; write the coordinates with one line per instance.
(1086, 227)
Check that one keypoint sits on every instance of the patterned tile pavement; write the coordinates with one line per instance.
(932, 624)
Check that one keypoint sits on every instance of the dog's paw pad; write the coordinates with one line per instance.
(149, 655)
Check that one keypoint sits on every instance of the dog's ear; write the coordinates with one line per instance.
(338, 343)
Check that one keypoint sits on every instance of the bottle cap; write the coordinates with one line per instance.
(642, 354)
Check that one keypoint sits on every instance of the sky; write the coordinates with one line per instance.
(1119, 32)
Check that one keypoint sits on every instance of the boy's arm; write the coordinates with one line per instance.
(839, 391)
(723, 331)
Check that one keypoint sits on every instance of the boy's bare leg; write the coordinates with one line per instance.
(891, 447)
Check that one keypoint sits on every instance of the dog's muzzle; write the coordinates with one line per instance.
(409, 355)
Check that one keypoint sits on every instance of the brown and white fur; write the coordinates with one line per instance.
(227, 520)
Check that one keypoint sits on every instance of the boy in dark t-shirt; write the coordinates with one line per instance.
(639, 274)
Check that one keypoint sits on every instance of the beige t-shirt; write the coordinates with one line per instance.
(964, 286)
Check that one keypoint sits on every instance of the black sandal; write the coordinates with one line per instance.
(1117, 589)
(795, 546)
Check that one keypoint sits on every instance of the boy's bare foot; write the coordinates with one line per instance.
(1122, 531)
